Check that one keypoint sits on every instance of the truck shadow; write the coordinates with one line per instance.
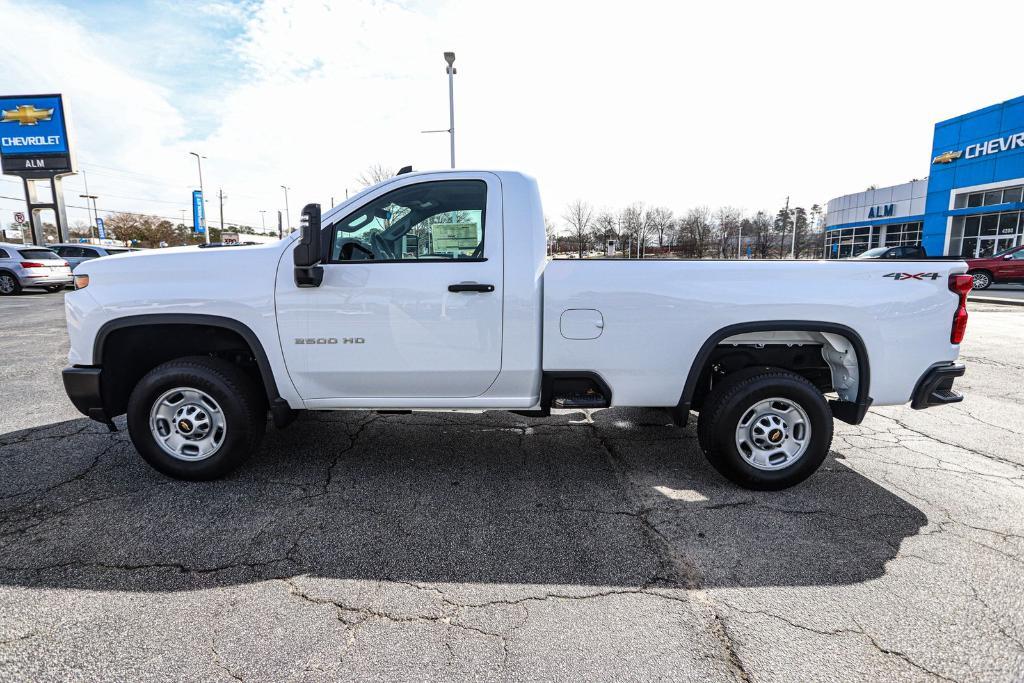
(621, 499)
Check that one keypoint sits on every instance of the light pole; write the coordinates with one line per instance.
(263, 220)
(287, 213)
(199, 163)
(87, 197)
(449, 57)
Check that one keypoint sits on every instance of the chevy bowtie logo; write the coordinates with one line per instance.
(947, 157)
(26, 115)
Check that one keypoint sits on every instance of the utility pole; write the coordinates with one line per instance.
(785, 218)
(199, 163)
(287, 211)
(87, 197)
(220, 194)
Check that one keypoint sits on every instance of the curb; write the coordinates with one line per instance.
(990, 300)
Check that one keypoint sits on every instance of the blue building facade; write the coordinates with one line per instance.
(970, 205)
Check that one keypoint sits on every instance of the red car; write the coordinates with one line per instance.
(1006, 266)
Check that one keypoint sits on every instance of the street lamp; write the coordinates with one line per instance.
(287, 213)
(449, 57)
(206, 233)
(95, 215)
(263, 219)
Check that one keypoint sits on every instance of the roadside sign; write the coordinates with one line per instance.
(198, 213)
(19, 216)
(100, 228)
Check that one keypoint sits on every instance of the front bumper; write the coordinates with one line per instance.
(82, 384)
(935, 388)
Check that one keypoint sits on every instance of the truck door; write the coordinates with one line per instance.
(411, 299)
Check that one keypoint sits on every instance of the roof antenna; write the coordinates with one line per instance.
(404, 170)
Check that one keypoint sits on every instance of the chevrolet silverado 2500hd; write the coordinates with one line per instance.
(432, 291)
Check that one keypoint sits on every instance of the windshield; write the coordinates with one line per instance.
(39, 255)
(874, 253)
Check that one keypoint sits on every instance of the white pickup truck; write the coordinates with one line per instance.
(433, 291)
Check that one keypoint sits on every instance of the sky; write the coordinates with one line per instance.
(669, 103)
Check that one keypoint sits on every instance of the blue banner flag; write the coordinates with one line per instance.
(198, 213)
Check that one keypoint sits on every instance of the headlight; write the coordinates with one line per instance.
(81, 281)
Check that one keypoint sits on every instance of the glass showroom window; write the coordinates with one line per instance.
(985, 235)
(1004, 195)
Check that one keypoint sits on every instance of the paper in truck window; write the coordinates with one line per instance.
(455, 238)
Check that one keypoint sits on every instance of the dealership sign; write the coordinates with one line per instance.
(882, 211)
(994, 146)
(34, 135)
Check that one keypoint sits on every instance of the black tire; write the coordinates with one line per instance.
(982, 279)
(52, 289)
(733, 398)
(9, 285)
(241, 405)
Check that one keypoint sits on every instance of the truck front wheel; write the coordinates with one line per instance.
(196, 418)
(765, 428)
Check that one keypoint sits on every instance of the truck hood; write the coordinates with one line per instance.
(185, 262)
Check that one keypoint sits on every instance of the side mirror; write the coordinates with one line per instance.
(1008, 257)
(306, 257)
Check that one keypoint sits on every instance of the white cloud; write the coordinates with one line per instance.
(670, 103)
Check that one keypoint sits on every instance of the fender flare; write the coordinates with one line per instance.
(240, 328)
(844, 410)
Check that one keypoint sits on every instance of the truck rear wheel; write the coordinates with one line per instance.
(196, 418)
(765, 428)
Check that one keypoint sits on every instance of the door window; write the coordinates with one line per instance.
(434, 221)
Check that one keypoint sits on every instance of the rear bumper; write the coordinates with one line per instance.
(82, 385)
(45, 281)
(935, 388)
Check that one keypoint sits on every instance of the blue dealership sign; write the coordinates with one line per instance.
(198, 213)
(32, 125)
(34, 134)
(100, 228)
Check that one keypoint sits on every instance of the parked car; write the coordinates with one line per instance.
(1006, 266)
(76, 254)
(196, 346)
(25, 265)
(901, 252)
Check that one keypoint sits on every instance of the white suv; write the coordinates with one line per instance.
(26, 265)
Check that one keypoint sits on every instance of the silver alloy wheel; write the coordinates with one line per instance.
(6, 284)
(773, 434)
(981, 280)
(188, 424)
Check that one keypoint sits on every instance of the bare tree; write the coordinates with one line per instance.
(604, 229)
(697, 228)
(375, 174)
(728, 220)
(662, 223)
(580, 217)
(760, 228)
(635, 225)
(549, 234)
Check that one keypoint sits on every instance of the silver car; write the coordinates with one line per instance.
(25, 265)
(75, 254)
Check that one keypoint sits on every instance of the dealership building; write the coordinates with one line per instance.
(970, 204)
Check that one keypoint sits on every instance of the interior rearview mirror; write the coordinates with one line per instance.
(307, 257)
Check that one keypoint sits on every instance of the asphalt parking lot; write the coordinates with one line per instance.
(433, 546)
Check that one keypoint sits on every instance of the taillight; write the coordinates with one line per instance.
(67, 265)
(960, 285)
(81, 281)
(32, 264)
